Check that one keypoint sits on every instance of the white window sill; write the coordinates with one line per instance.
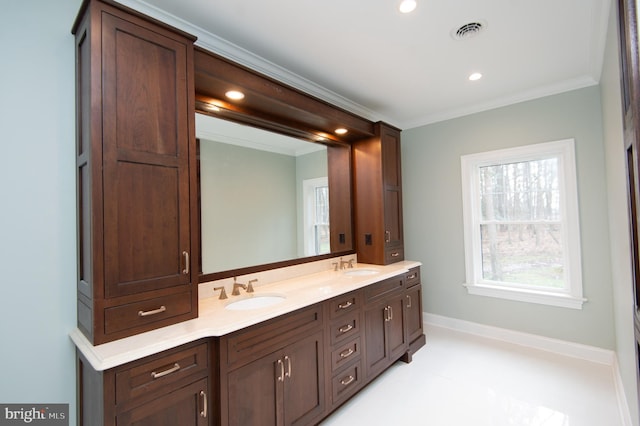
(525, 295)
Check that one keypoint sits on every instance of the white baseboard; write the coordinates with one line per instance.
(561, 347)
(623, 406)
(576, 350)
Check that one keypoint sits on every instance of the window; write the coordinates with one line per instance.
(521, 230)
(316, 216)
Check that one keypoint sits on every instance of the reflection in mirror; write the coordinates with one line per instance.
(264, 196)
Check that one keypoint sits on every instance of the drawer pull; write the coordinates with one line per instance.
(345, 328)
(160, 310)
(345, 305)
(347, 353)
(281, 376)
(288, 361)
(185, 271)
(203, 413)
(412, 276)
(347, 380)
(396, 254)
(173, 369)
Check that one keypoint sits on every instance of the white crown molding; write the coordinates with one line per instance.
(222, 47)
(539, 92)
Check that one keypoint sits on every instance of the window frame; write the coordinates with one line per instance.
(572, 295)
(309, 186)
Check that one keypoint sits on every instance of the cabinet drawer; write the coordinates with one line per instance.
(344, 304)
(392, 255)
(412, 277)
(345, 353)
(256, 341)
(384, 288)
(158, 372)
(345, 327)
(140, 314)
(346, 383)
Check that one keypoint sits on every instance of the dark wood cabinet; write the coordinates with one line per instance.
(630, 91)
(378, 197)
(281, 388)
(184, 406)
(384, 325)
(273, 373)
(170, 388)
(413, 310)
(344, 353)
(136, 173)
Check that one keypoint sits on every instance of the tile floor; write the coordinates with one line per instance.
(461, 379)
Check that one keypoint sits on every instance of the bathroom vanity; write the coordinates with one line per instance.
(292, 362)
(155, 344)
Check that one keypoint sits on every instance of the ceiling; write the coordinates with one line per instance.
(405, 69)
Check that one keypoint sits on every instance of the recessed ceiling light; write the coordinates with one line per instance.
(341, 131)
(235, 95)
(475, 76)
(407, 6)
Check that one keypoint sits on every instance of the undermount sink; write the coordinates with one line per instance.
(360, 272)
(255, 302)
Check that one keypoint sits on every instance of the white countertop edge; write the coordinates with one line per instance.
(214, 321)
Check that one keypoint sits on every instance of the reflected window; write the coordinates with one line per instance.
(316, 216)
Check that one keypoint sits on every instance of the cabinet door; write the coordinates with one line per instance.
(392, 180)
(413, 308)
(385, 337)
(254, 390)
(304, 381)
(396, 335)
(187, 406)
(282, 388)
(146, 142)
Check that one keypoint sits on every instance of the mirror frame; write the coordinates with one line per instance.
(271, 105)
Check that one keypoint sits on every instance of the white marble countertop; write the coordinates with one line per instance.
(214, 320)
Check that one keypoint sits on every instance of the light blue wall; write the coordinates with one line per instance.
(433, 212)
(249, 202)
(618, 216)
(38, 231)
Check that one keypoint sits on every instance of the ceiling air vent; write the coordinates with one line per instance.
(469, 30)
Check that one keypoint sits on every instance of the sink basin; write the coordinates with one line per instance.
(255, 302)
(360, 272)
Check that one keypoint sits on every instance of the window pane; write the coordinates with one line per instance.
(526, 191)
(529, 254)
(322, 204)
(323, 243)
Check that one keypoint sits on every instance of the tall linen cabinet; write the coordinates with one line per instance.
(136, 165)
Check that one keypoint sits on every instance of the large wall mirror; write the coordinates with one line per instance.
(275, 181)
(264, 196)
